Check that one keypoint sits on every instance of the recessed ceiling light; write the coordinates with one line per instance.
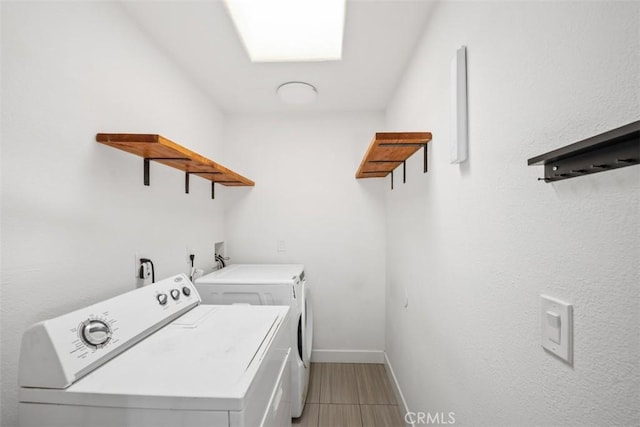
(297, 93)
(289, 30)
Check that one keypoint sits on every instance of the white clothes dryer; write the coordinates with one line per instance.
(270, 284)
(154, 357)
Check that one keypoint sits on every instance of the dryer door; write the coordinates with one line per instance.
(306, 325)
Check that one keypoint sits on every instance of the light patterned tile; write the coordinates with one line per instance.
(374, 386)
(340, 416)
(313, 394)
(338, 384)
(349, 395)
(309, 416)
(381, 416)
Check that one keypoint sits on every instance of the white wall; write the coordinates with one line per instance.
(75, 211)
(473, 246)
(306, 194)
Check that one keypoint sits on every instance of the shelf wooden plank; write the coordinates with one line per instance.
(169, 153)
(388, 150)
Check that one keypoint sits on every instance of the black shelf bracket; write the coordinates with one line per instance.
(186, 178)
(147, 160)
(213, 189)
(402, 144)
(398, 162)
(425, 159)
(404, 172)
(610, 150)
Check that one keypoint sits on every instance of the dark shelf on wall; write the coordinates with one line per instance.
(614, 149)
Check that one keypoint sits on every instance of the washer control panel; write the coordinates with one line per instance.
(59, 351)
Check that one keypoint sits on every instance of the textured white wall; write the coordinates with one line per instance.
(473, 246)
(74, 212)
(306, 194)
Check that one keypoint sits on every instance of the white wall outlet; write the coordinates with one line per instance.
(136, 264)
(145, 266)
(557, 327)
(281, 246)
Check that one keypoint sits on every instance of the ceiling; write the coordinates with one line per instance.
(379, 38)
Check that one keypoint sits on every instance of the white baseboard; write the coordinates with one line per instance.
(348, 356)
(404, 409)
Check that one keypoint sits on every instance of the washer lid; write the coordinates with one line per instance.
(254, 274)
(207, 359)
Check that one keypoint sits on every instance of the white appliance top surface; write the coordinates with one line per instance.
(211, 352)
(56, 352)
(250, 274)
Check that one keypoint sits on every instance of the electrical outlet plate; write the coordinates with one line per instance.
(557, 327)
(136, 264)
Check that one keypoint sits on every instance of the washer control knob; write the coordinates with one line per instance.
(95, 333)
(175, 294)
(162, 299)
(186, 291)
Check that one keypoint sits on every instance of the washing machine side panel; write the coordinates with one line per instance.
(278, 412)
(38, 415)
(260, 397)
(300, 387)
(307, 327)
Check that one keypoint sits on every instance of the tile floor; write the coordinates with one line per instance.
(349, 395)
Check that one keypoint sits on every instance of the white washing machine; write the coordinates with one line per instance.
(156, 357)
(270, 284)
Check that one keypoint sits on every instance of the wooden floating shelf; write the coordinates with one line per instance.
(388, 150)
(610, 150)
(162, 150)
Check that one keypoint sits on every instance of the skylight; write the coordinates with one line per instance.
(289, 30)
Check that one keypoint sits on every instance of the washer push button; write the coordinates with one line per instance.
(162, 298)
